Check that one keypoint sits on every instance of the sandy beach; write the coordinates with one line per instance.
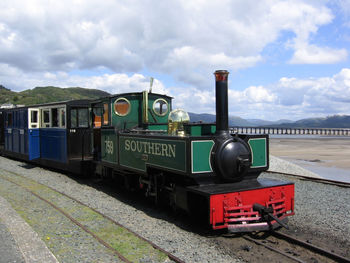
(328, 157)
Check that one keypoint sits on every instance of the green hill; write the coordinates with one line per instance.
(335, 121)
(40, 95)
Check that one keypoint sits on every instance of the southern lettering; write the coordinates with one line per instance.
(155, 148)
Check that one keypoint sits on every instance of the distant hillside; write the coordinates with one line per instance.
(3, 88)
(48, 94)
(202, 117)
(335, 121)
(233, 120)
(5, 95)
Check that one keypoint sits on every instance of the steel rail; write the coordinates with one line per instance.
(309, 246)
(313, 179)
(171, 256)
(273, 249)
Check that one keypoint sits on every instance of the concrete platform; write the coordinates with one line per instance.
(19, 243)
(9, 251)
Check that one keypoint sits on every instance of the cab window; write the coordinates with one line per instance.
(105, 114)
(97, 117)
(160, 107)
(122, 107)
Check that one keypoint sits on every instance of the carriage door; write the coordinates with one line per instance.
(34, 133)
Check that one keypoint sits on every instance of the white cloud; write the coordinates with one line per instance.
(112, 83)
(344, 8)
(194, 100)
(293, 98)
(259, 95)
(172, 37)
(43, 42)
(308, 22)
(311, 54)
(300, 98)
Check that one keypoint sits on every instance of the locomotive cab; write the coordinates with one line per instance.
(131, 111)
(140, 110)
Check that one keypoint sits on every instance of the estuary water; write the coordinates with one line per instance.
(327, 156)
(330, 173)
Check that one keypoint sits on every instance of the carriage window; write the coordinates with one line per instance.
(73, 118)
(24, 119)
(122, 107)
(9, 119)
(160, 107)
(105, 114)
(15, 119)
(54, 113)
(46, 118)
(62, 118)
(18, 119)
(34, 116)
(83, 117)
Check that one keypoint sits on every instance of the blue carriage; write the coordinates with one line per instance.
(54, 134)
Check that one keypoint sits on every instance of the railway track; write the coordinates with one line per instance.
(292, 253)
(293, 248)
(313, 179)
(52, 197)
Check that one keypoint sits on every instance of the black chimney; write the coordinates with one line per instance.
(221, 78)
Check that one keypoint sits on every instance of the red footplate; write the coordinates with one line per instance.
(234, 211)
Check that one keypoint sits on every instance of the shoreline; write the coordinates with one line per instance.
(327, 157)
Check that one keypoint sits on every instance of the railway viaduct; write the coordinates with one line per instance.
(292, 131)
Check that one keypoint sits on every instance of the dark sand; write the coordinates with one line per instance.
(328, 157)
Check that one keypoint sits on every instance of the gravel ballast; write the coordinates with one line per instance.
(320, 209)
(321, 212)
(188, 246)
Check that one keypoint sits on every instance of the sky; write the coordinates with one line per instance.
(287, 59)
